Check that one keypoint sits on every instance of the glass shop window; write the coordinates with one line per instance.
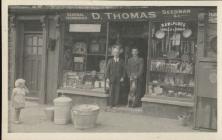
(211, 43)
(172, 59)
(84, 56)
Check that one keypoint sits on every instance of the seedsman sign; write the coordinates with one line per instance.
(130, 15)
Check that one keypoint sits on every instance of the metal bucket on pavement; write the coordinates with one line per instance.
(85, 116)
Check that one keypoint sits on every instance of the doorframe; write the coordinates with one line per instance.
(44, 21)
(200, 57)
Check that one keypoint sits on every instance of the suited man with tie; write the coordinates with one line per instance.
(115, 73)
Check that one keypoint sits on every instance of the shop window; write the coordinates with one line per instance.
(172, 59)
(211, 43)
(84, 56)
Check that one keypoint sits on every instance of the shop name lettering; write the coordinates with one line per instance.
(125, 16)
(112, 16)
(128, 15)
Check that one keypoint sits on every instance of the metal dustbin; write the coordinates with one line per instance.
(85, 116)
(62, 107)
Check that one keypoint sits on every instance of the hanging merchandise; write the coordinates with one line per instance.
(172, 54)
(175, 39)
(160, 34)
(171, 65)
(187, 33)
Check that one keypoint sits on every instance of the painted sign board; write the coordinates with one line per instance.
(131, 14)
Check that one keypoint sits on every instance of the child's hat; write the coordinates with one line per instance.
(19, 82)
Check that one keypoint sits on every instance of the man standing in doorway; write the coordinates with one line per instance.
(115, 74)
(135, 71)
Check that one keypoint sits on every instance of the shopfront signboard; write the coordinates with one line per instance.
(131, 14)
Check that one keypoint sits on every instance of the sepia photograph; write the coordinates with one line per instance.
(112, 69)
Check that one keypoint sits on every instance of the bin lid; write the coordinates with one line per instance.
(86, 107)
(62, 99)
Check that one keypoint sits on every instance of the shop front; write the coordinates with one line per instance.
(78, 44)
(167, 40)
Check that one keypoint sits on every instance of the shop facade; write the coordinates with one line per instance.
(65, 51)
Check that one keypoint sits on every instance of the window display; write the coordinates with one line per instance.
(172, 59)
(84, 59)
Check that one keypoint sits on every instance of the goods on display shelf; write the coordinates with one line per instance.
(94, 47)
(172, 67)
(102, 65)
(79, 48)
(98, 47)
(167, 91)
(79, 63)
(84, 80)
(72, 79)
(171, 85)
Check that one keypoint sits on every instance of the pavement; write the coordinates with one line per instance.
(119, 119)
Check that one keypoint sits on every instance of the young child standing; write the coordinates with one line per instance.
(18, 98)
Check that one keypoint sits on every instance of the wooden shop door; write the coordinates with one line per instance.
(33, 45)
(206, 100)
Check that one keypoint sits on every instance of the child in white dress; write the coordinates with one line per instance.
(18, 98)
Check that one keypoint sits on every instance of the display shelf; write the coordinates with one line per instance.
(169, 100)
(96, 54)
(79, 54)
(100, 92)
(179, 73)
(170, 86)
(163, 58)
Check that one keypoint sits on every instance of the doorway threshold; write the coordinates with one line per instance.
(32, 98)
(125, 109)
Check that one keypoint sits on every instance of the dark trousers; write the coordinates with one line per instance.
(139, 90)
(114, 92)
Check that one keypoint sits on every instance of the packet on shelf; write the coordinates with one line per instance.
(94, 47)
(80, 48)
(158, 90)
(97, 84)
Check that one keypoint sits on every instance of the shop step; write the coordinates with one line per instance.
(32, 98)
(124, 109)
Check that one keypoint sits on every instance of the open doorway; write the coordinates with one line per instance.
(130, 35)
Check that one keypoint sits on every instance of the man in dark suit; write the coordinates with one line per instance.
(115, 73)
